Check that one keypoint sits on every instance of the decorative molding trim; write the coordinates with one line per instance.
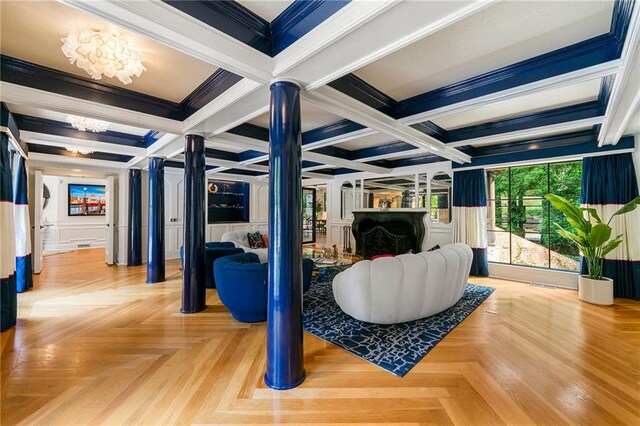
(528, 121)
(232, 19)
(359, 89)
(211, 88)
(51, 127)
(24, 73)
(330, 131)
(299, 19)
(46, 149)
(376, 151)
(553, 147)
(595, 51)
(251, 131)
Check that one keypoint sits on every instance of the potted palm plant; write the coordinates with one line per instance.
(593, 238)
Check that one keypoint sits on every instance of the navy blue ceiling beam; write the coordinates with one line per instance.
(232, 19)
(7, 119)
(24, 73)
(251, 131)
(54, 150)
(430, 128)
(595, 51)
(546, 118)
(374, 151)
(218, 83)
(300, 18)
(251, 29)
(534, 151)
(359, 89)
(52, 127)
(250, 155)
(27, 74)
(221, 155)
(331, 130)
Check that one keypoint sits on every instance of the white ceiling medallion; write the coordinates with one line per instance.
(81, 151)
(103, 53)
(85, 124)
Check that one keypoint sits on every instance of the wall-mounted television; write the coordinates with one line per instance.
(87, 200)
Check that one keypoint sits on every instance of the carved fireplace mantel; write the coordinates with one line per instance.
(394, 231)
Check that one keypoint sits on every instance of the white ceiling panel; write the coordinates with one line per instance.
(170, 74)
(540, 101)
(268, 10)
(61, 117)
(367, 141)
(501, 35)
(312, 118)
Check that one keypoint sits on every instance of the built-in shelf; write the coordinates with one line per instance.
(227, 201)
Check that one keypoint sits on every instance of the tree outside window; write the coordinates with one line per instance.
(520, 219)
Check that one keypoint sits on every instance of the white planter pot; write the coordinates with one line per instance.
(599, 292)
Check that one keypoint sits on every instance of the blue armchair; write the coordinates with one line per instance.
(242, 285)
(213, 251)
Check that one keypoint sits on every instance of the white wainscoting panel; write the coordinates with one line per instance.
(71, 236)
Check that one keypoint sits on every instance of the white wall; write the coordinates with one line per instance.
(174, 212)
(62, 232)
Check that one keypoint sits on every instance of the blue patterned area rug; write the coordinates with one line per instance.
(397, 347)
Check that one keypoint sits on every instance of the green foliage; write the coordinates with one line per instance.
(591, 235)
(519, 193)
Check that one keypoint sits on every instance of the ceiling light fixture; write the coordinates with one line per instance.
(82, 151)
(102, 53)
(85, 124)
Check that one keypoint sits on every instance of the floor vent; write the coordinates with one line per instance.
(84, 245)
(552, 287)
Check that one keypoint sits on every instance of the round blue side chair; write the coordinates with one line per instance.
(242, 285)
(213, 251)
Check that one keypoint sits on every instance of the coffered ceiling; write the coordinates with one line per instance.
(384, 84)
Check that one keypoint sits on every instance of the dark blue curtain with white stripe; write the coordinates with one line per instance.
(24, 270)
(470, 216)
(8, 299)
(608, 183)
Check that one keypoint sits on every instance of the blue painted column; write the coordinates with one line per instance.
(134, 237)
(155, 244)
(193, 283)
(285, 368)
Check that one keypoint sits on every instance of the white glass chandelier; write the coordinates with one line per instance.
(79, 150)
(85, 124)
(102, 53)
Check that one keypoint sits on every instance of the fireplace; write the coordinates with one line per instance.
(388, 232)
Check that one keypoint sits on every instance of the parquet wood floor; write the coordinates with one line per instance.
(96, 345)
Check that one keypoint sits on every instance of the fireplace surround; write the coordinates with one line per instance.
(395, 231)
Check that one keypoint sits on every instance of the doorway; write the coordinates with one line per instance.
(308, 215)
(73, 213)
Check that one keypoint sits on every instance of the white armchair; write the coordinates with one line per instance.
(404, 288)
(240, 240)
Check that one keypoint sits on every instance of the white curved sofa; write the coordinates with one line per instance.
(240, 240)
(404, 288)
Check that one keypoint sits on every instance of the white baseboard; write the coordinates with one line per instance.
(551, 277)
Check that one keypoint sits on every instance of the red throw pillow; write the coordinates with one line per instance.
(378, 256)
(265, 240)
